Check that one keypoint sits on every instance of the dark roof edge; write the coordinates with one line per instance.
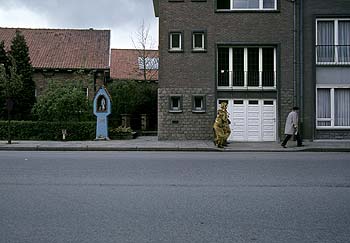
(63, 29)
(156, 7)
(130, 49)
(73, 69)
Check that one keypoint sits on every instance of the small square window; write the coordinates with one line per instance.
(198, 103)
(175, 41)
(198, 41)
(246, 4)
(175, 103)
(148, 63)
(238, 102)
(268, 102)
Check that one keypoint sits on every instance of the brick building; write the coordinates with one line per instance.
(326, 68)
(63, 55)
(133, 64)
(241, 52)
(263, 57)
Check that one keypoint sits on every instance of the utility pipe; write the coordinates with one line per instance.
(294, 54)
(301, 58)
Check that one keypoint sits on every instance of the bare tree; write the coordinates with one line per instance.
(148, 59)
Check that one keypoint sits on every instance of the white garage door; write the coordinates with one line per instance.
(252, 119)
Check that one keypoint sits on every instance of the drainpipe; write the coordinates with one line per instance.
(301, 57)
(294, 53)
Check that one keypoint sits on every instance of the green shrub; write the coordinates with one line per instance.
(132, 97)
(63, 103)
(31, 130)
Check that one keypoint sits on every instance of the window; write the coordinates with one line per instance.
(246, 4)
(247, 67)
(253, 67)
(268, 67)
(175, 103)
(175, 41)
(198, 41)
(148, 63)
(268, 102)
(223, 66)
(333, 41)
(333, 107)
(238, 67)
(198, 103)
(253, 102)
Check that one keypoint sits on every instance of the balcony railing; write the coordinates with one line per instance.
(333, 54)
(242, 79)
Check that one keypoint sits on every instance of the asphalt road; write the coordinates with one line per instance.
(174, 197)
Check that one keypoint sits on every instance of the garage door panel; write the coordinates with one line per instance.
(252, 120)
(238, 115)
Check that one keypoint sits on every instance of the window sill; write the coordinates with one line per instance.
(199, 50)
(333, 128)
(175, 50)
(332, 64)
(247, 11)
(198, 111)
(246, 88)
(175, 111)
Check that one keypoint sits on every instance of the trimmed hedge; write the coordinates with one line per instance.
(38, 130)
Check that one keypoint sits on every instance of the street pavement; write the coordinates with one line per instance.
(175, 197)
(151, 143)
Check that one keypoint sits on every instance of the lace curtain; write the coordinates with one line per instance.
(342, 107)
(323, 106)
(344, 41)
(325, 41)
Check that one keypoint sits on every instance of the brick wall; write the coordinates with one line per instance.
(187, 71)
(332, 134)
(42, 80)
(186, 125)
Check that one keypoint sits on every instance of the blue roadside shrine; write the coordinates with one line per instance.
(102, 109)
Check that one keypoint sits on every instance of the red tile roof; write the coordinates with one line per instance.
(64, 48)
(125, 66)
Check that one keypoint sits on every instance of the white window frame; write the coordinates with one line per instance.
(261, 7)
(178, 108)
(151, 63)
(245, 70)
(332, 119)
(200, 109)
(194, 41)
(336, 40)
(171, 41)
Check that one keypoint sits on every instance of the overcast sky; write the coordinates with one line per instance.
(122, 17)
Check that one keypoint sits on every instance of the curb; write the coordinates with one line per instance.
(169, 149)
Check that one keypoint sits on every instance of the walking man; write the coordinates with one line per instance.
(292, 128)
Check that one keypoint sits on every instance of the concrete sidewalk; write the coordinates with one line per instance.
(151, 143)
